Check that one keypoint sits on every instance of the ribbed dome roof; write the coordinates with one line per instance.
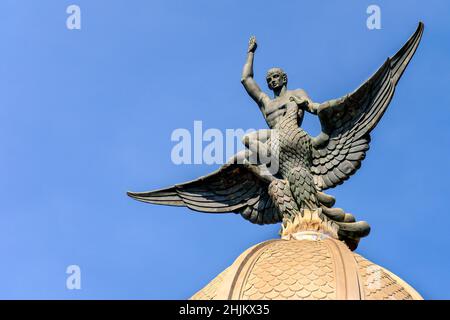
(318, 268)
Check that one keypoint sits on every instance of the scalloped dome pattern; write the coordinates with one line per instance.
(305, 269)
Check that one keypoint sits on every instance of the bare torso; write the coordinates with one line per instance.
(274, 109)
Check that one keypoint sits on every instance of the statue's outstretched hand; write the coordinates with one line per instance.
(252, 45)
(301, 102)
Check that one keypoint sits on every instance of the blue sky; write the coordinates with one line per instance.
(86, 115)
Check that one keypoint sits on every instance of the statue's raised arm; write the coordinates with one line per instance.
(247, 80)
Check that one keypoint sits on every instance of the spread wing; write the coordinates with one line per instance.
(348, 121)
(232, 188)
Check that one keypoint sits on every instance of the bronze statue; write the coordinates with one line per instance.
(305, 166)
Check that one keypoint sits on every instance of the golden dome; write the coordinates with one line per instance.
(314, 267)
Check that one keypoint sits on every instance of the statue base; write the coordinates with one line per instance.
(308, 222)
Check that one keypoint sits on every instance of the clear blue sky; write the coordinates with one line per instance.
(86, 115)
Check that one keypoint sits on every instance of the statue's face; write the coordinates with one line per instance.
(275, 79)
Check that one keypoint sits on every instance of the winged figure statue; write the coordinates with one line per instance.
(292, 169)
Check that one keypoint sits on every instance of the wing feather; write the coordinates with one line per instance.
(348, 121)
(232, 188)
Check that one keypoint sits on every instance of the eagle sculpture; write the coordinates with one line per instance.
(305, 166)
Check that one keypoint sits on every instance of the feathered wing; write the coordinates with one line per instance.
(232, 188)
(348, 121)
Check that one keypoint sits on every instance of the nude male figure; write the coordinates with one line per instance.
(276, 78)
(272, 109)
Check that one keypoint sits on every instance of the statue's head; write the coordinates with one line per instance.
(276, 78)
